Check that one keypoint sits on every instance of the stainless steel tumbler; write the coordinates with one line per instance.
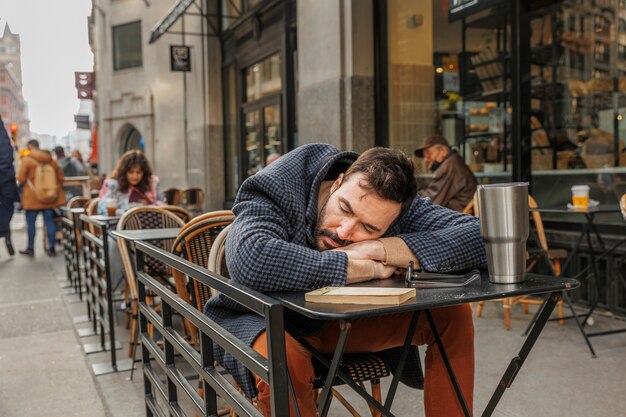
(503, 211)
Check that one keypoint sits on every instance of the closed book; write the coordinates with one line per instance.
(360, 295)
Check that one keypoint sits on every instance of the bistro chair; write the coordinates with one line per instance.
(194, 243)
(533, 256)
(77, 202)
(141, 218)
(180, 212)
(91, 209)
(74, 203)
(173, 196)
(361, 367)
(193, 200)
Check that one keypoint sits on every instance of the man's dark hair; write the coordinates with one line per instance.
(389, 173)
(33, 142)
(126, 162)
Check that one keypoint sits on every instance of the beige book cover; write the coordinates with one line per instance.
(360, 295)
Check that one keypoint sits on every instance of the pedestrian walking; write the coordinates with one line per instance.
(42, 179)
(8, 187)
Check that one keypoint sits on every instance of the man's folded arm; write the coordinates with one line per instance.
(441, 239)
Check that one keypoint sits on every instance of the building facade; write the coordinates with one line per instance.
(269, 75)
(13, 107)
(140, 103)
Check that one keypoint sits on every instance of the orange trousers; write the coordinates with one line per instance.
(455, 325)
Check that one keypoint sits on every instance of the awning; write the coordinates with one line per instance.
(170, 18)
(180, 8)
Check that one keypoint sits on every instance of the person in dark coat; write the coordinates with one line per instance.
(453, 185)
(8, 187)
(320, 217)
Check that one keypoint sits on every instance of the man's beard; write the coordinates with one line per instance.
(319, 232)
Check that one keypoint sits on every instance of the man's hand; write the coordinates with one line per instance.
(366, 249)
(360, 270)
(366, 261)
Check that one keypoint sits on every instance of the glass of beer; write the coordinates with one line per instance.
(111, 206)
(580, 196)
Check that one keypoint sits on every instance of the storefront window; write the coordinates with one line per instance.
(411, 110)
(254, 142)
(263, 78)
(230, 132)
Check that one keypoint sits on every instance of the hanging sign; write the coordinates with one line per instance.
(180, 58)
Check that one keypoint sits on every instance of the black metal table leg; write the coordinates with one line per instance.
(579, 323)
(324, 404)
(518, 361)
(391, 393)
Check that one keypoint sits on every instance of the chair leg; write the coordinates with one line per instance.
(525, 308)
(559, 307)
(507, 313)
(133, 327)
(479, 309)
(377, 396)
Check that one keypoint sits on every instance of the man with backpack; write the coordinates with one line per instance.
(42, 179)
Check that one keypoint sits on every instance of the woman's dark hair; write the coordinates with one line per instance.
(389, 173)
(126, 162)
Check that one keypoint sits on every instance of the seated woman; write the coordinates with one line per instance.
(130, 184)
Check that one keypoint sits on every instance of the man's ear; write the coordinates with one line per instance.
(336, 184)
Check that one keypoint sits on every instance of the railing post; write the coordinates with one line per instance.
(279, 374)
(109, 294)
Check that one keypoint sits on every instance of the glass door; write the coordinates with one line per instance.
(261, 113)
(262, 134)
(254, 143)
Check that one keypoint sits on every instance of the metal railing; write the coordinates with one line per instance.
(99, 292)
(69, 223)
(272, 370)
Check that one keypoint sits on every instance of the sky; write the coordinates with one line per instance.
(55, 44)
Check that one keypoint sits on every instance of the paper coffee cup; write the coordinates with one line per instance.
(580, 196)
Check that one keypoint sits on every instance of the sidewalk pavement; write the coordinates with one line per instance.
(43, 367)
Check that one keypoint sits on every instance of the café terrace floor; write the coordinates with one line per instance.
(43, 368)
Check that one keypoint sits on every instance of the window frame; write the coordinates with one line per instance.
(115, 46)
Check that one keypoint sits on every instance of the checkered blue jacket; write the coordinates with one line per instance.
(270, 246)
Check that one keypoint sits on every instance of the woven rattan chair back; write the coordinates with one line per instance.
(217, 256)
(77, 202)
(173, 196)
(180, 212)
(195, 243)
(193, 199)
(140, 218)
(91, 209)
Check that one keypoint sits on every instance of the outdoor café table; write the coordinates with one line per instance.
(425, 300)
(101, 311)
(588, 228)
